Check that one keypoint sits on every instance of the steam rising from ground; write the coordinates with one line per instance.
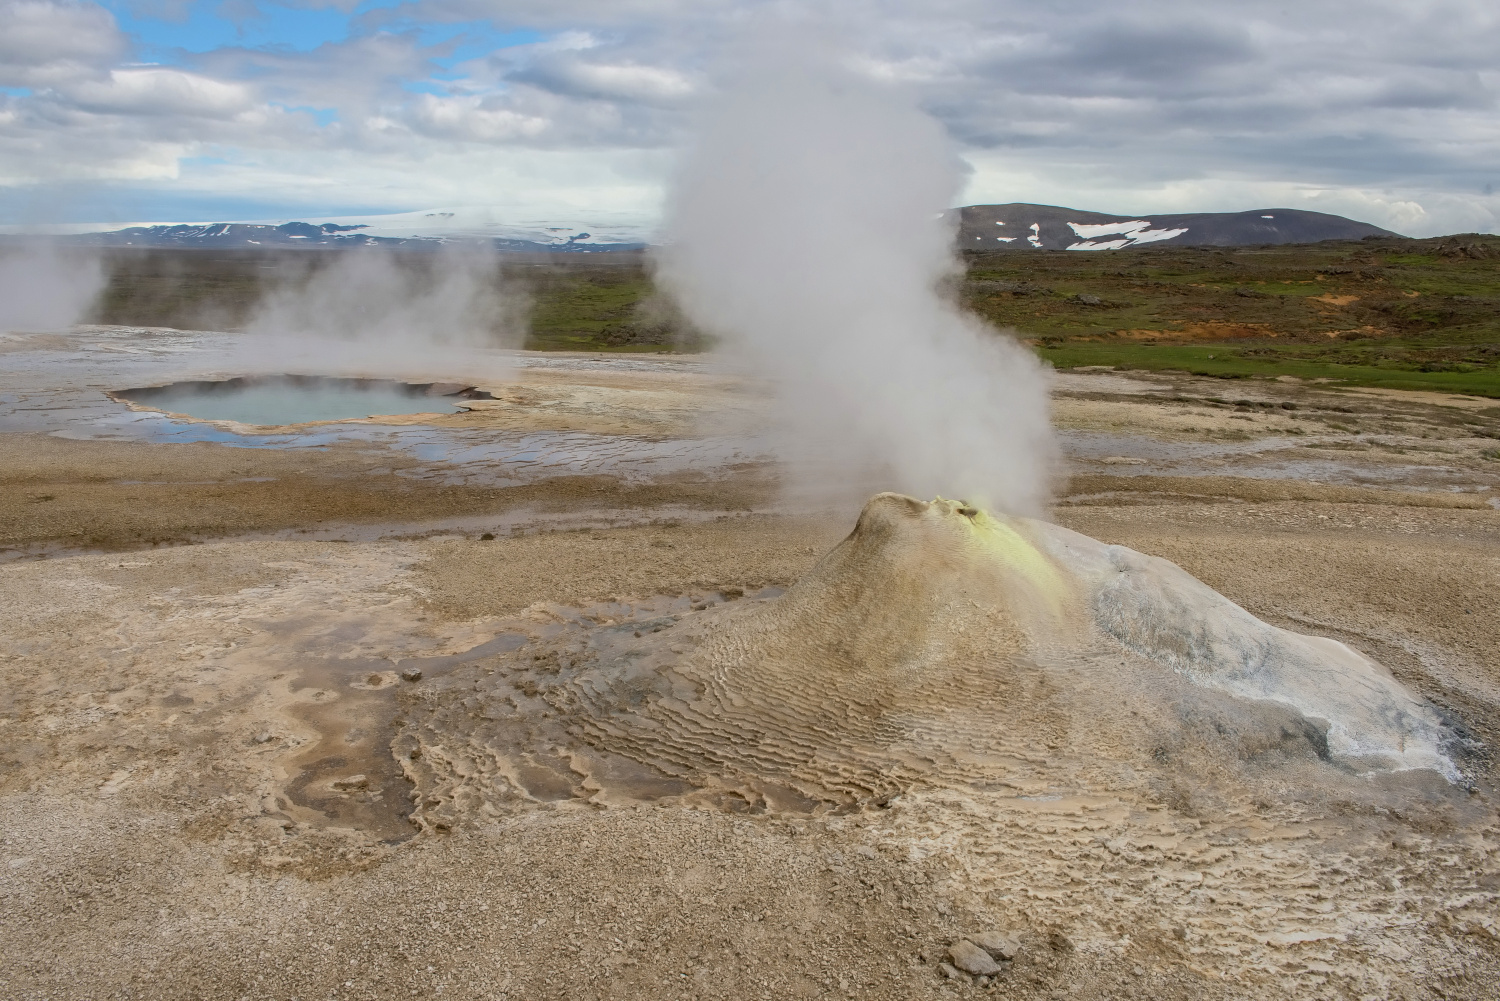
(806, 232)
(369, 312)
(44, 289)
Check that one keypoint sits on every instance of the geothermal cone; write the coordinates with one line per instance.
(937, 645)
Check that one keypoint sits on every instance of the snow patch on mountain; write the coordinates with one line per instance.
(1133, 231)
(1087, 231)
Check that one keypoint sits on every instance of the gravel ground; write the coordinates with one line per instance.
(203, 688)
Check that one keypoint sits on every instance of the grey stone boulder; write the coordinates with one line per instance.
(1000, 945)
(972, 959)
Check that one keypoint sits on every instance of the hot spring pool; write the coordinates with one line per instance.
(298, 399)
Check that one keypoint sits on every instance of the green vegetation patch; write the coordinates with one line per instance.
(590, 306)
(1410, 314)
(1235, 363)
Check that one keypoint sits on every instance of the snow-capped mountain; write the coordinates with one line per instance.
(1022, 226)
(248, 236)
(1017, 226)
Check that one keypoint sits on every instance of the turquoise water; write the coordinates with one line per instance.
(278, 400)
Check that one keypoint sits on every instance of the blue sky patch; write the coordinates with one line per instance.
(323, 116)
(298, 29)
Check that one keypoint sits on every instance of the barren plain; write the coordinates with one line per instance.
(305, 712)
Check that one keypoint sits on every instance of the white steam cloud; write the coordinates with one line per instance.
(805, 232)
(42, 288)
(374, 313)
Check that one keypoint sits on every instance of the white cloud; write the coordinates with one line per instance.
(520, 186)
(158, 91)
(44, 43)
(468, 118)
(611, 81)
(1143, 106)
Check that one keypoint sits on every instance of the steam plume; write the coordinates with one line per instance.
(44, 289)
(372, 313)
(805, 231)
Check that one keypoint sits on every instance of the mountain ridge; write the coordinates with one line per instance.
(295, 235)
(1024, 226)
(1016, 226)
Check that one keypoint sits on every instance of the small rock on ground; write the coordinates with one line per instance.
(1000, 945)
(951, 972)
(972, 959)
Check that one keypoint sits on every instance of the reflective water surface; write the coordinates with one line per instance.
(278, 400)
(68, 384)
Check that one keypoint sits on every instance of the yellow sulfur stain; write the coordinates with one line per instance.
(1016, 552)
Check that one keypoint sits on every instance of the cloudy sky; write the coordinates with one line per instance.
(571, 110)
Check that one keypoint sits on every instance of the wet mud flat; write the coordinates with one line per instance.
(348, 777)
(207, 728)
